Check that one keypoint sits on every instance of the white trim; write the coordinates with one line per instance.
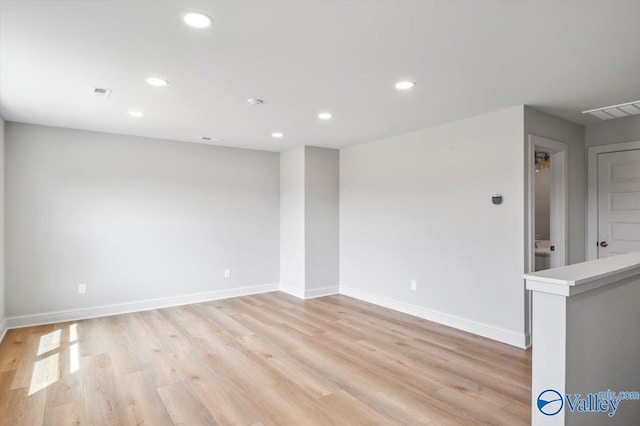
(142, 305)
(322, 291)
(559, 214)
(293, 291)
(592, 191)
(303, 294)
(509, 337)
(3, 329)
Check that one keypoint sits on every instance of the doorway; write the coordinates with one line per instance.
(613, 215)
(557, 170)
(542, 209)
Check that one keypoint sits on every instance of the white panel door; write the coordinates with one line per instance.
(618, 202)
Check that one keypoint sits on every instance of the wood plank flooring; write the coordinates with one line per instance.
(264, 359)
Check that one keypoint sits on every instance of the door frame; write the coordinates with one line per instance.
(592, 190)
(559, 191)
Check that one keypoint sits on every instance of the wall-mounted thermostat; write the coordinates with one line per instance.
(496, 199)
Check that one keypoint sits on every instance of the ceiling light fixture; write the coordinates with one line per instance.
(405, 85)
(542, 160)
(136, 114)
(325, 116)
(255, 101)
(197, 20)
(158, 82)
(277, 135)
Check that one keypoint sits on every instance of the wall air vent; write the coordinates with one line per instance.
(101, 92)
(615, 111)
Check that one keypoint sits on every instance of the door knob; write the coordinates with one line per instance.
(603, 244)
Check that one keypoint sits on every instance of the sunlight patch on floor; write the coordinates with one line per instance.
(49, 342)
(73, 333)
(45, 372)
(74, 355)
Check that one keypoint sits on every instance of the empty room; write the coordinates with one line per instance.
(305, 213)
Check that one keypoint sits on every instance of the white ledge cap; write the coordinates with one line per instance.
(581, 277)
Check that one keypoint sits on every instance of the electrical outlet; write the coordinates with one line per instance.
(82, 288)
(227, 273)
(414, 284)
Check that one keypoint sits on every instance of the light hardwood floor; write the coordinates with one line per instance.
(263, 359)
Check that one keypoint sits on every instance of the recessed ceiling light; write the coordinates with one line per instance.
(197, 20)
(136, 114)
(277, 134)
(155, 81)
(404, 85)
(325, 115)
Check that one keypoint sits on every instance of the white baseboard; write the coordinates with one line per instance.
(496, 333)
(142, 305)
(3, 329)
(491, 332)
(301, 293)
(322, 291)
(293, 291)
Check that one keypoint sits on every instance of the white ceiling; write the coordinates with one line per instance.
(305, 57)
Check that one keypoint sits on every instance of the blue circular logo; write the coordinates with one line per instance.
(550, 402)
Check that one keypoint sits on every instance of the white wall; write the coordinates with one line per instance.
(550, 127)
(133, 218)
(613, 131)
(586, 321)
(418, 207)
(309, 221)
(2, 289)
(322, 172)
(603, 325)
(292, 221)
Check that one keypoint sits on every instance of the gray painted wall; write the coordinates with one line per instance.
(133, 218)
(550, 127)
(292, 220)
(418, 207)
(613, 131)
(322, 188)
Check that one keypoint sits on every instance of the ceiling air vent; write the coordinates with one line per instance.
(101, 92)
(615, 111)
